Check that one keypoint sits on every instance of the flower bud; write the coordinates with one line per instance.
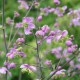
(70, 50)
(68, 43)
(39, 18)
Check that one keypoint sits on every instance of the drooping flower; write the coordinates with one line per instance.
(9, 20)
(15, 52)
(39, 18)
(59, 11)
(9, 65)
(23, 5)
(22, 54)
(45, 28)
(27, 31)
(57, 52)
(27, 20)
(59, 73)
(29, 67)
(28, 25)
(3, 70)
(70, 50)
(39, 33)
(64, 33)
(69, 43)
(47, 62)
(20, 40)
(11, 53)
(18, 25)
(51, 10)
(56, 24)
(16, 14)
(56, 1)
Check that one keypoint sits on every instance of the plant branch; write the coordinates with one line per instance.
(4, 36)
(62, 66)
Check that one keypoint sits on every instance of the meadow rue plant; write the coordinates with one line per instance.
(23, 5)
(61, 46)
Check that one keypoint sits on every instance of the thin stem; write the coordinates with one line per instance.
(11, 30)
(13, 37)
(20, 75)
(30, 46)
(4, 36)
(39, 68)
(30, 8)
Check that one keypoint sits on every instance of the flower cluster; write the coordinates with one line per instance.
(75, 17)
(14, 52)
(28, 67)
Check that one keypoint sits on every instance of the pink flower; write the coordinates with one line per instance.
(64, 33)
(28, 25)
(9, 65)
(3, 70)
(52, 33)
(59, 72)
(51, 10)
(39, 18)
(45, 28)
(69, 43)
(15, 52)
(16, 14)
(28, 20)
(23, 5)
(20, 40)
(10, 55)
(64, 8)
(39, 33)
(56, 24)
(70, 50)
(48, 40)
(57, 52)
(56, 1)
(22, 54)
(18, 25)
(27, 31)
(47, 62)
(9, 21)
(27, 66)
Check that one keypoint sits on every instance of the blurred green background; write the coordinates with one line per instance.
(10, 7)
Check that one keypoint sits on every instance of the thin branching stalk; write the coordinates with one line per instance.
(40, 74)
(63, 66)
(11, 30)
(4, 36)
(20, 75)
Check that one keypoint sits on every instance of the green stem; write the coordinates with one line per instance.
(4, 36)
(40, 74)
